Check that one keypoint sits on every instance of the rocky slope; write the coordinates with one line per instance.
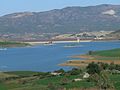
(66, 20)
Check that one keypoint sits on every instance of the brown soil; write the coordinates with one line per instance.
(88, 59)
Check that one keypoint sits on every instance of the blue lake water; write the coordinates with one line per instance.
(47, 58)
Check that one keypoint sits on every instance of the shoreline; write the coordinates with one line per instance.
(86, 60)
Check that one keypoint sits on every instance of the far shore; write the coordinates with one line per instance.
(48, 42)
(37, 42)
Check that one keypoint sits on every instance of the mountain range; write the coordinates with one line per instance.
(67, 20)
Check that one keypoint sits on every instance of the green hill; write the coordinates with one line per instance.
(108, 53)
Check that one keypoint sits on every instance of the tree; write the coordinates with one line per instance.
(90, 52)
(112, 66)
(103, 66)
(103, 82)
(75, 71)
(99, 75)
(93, 68)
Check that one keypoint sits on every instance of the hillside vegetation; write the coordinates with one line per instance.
(66, 20)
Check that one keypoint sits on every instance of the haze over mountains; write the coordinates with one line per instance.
(66, 20)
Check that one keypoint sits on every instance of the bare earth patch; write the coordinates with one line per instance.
(88, 59)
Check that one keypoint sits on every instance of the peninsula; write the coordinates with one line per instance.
(4, 44)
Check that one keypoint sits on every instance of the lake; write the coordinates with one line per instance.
(47, 57)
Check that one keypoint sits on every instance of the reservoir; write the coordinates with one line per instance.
(47, 57)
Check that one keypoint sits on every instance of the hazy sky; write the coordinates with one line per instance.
(11, 6)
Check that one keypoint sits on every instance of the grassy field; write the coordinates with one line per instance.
(108, 53)
(105, 56)
(12, 44)
(35, 82)
(116, 81)
(22, 73)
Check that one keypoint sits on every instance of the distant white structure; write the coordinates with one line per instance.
(77, 79)
(86, 75)
(55, 73)
(78, 39)
(109, 12)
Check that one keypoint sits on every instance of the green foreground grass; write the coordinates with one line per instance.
(40, 81)
(116, 81)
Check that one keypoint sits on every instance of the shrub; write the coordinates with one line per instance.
(64, 81)
(93, 68)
